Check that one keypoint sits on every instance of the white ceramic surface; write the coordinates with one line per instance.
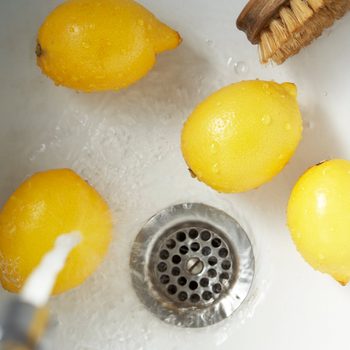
(127, 145)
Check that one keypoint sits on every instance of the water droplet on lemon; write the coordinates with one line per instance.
(288, 127)
(266, 120)
(213, 148)
(215, 168)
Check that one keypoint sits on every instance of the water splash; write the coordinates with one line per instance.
(40, 283)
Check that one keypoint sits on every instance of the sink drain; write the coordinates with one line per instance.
(192, 265)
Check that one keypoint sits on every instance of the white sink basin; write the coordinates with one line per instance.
(127, 145)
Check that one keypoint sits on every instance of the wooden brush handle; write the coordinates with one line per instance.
(256, 15)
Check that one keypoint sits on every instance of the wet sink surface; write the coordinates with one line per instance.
(127, 145)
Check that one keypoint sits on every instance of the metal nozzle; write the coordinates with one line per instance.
(21, 326)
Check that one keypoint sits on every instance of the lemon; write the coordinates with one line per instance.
(45, 206)
(100, 45)
(319, 218)
(242, 135)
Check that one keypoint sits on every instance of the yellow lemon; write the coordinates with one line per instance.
(319, 218)
(242, 135)
(45, 206)
(100, 45)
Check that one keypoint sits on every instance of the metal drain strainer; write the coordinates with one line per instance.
(192, 265)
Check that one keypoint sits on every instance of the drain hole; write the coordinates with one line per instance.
(212, 261)
(195, 246)
(207, 295)
(217, 288)
(204, 282)
(164, 254)
(223, 252)
(162, 267)
(182, 296)
(182, 281)
(216, 242)
(195, 298)
(175, 271)
(224, 276)
(193, 233)
(193, 285)
(212, 273)
(170, 243)
(172, 289)
(226, 265)
(205, 235)
(206, 251)
(181, 236)
(164, 279)
(176, 259)
(184, 250)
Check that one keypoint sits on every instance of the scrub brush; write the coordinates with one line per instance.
(283, 27)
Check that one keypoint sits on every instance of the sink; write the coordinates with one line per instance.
(126, 144)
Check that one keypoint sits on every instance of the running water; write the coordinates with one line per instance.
(39, 285)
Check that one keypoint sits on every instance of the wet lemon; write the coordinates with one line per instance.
(45, 206)
(319, 218)
(93, 45)
(242, 135)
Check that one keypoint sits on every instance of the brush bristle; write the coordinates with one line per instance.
(316, 4)
(297, 26)
(288, 18)
(301, 10)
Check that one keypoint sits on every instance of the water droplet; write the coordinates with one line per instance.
(213, 148)
(288, 126)
(266, 88)
(325, 93)
(325, 171)
(308, 124)
(85, 45)
(321, 256)
(215, 168)
(240, 67)
(266, 120)
(74, 29)
(141, 22)
(42, 148)
(209, 42)
(229, 61)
